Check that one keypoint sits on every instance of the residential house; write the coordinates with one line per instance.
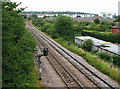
(116, 28)
(28, 15)
(40, 16)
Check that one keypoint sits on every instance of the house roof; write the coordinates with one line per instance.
(116, 26)
(50, 18)
(91, 19)
(40, 15)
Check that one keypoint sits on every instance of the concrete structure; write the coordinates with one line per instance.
(107, 15)
(116, 28)
(99, 45)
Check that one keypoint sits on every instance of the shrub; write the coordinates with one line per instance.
(94, 51)
(116, 60)
(97, 21)
(104, 55)
(87, 45)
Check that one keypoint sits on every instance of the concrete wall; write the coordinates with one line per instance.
(119, 48)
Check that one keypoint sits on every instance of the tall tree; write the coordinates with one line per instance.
(18, 46)
(64, 26)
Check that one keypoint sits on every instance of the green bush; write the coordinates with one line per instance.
(116, 60)
(87, 45)
(97, 21)
(94, 51)
(104, 56)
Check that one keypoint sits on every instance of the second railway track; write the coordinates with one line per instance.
(68, 77)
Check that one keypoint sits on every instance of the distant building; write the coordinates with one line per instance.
(6, 0)
(40, 16)
(92, 19)
(116, 28)
(114, 15)
(50, 18)
(28, 15)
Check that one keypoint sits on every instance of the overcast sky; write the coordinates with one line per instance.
(88, 6)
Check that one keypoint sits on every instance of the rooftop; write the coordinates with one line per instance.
(50, 18)
(116, 26)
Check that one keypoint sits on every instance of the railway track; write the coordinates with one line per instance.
(66, 75)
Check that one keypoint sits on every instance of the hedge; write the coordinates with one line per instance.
(110, 37)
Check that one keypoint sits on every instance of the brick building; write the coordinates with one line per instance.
(116, 28)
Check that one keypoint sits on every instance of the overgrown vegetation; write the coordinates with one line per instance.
(105, 56)
(87, 45)
(59, 34)
(116, 60)
(18, 47)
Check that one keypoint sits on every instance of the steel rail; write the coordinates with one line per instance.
(80, 86)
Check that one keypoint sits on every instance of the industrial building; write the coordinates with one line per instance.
(100, 45)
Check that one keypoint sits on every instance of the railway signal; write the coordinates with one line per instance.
(45, 53)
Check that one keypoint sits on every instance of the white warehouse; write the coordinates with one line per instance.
(100, 45)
